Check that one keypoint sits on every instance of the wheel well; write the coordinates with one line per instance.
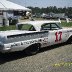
(36, 44)
(32, 49)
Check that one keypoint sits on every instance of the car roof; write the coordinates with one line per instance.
(40, 21)
(38, 24)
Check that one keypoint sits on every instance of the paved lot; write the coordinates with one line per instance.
(50, 59)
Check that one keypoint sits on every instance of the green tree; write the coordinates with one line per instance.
(54, 9)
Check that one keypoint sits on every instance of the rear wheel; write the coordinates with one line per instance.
(33, 49)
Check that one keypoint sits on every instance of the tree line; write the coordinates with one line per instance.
(54, 9)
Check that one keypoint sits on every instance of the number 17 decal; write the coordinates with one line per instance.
(58, 36)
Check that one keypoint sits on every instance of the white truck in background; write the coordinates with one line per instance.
(33, 35)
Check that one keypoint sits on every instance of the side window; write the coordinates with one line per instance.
(28, 27)
(54, 27)
(45, 26)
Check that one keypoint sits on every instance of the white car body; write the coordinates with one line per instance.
(64, 33)
(18, 40)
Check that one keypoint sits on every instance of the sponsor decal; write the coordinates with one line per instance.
(45, 41)
(15, 44)
(31, 42)
(24, 43)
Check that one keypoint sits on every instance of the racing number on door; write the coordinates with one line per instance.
(58, 36)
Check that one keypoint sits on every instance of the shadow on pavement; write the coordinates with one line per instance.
(7, 57)
(11, 56)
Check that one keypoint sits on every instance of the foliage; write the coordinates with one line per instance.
(54, 9)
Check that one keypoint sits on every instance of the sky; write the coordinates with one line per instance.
(44, 3)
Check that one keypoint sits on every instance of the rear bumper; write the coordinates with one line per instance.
(4, 50)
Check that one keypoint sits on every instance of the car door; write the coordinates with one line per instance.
(55, 34)
(60, 34)
(51, 33)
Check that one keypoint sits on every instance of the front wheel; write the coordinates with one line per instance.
(33, 49)
(70, 40)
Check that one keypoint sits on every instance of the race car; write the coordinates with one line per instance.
(56, 34)
(30, 36)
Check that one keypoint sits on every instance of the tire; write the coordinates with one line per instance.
(70, 40)
(33, 49)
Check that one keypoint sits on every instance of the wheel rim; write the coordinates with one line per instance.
(34, 49)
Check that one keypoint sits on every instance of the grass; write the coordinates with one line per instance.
(65, 24)
(11, 27)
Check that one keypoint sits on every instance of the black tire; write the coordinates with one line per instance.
(33, 49)
(69, 40)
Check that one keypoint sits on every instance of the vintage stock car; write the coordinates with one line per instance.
(33, 35)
